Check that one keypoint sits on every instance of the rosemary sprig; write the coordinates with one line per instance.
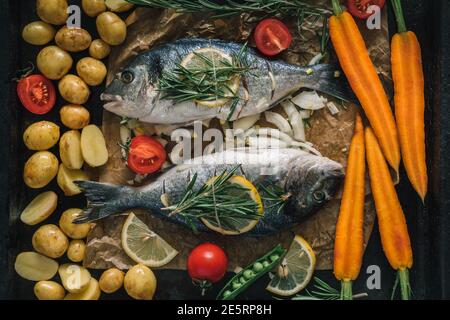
(274, 195)
(220, 202)
(323, 291)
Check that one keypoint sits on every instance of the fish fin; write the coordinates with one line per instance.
(330, 79)
(104, 199)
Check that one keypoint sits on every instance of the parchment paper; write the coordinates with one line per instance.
(331, 135)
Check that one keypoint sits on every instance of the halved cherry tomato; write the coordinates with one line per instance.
(272, 36)
(146, 155)
(358, 8)
(36, 93)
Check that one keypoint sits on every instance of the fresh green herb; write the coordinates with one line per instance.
(217, 202)
(275, 195)
(323, 291)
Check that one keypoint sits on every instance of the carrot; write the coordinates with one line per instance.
(349, 242)
(363, 78)
(391, 219)
(409, 99)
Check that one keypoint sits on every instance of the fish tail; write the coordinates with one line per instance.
(330, 79)
(105, 199)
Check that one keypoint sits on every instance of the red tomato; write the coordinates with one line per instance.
(146, 155)
(36, 93)
(207, 262)
(272, 36)
(358, 8)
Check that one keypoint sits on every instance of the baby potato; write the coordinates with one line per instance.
(92, 71)
(35, 267)
(74, 116)
(76, 250)
(111, 280)
(70, 150)
(93, 146)
(111, 28)
(73, 39)
(40, 208)
(52, 11)
(41, 135)
(118, 5)
(66, 178)
(93, 7)
(99, 49)
(73, 89)
(140, 282)
(74, 278)
(40, 169)
(53, 62)
(50, 241)
(38, 33)
(74, 231)
(91, 293)
(49, 290)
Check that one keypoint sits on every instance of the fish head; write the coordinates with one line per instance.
(312, 184)
(133, 91)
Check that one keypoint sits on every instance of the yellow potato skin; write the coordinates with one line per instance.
(73, 39)
(38, 33)
(49, 290)
(92, 71)
(93, 7)
(49, 240)
(74, 231)
(99, 49)
(140, 282)
(53, 62)
(111, 280)
(91, 293)
(75, 116)
(52, 11)
(111, 28)
(76, 250)
(73, 89)
(41, 135)
(40, 169)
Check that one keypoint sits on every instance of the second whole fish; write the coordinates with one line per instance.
(134, 91)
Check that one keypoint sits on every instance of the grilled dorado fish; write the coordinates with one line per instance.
(309, 180)
(134, 91)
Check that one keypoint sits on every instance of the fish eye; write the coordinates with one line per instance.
(127, 76)
(319, 196)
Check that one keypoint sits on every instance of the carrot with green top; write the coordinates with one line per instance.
(349, 242)
(363, 78)
(391, 219)
(409, 97)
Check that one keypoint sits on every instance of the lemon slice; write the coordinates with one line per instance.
(143, 245)
(193, 61)
(295, 271)
(239, 225)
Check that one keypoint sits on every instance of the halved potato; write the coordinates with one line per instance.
(74, 278)
(70, 150)
(35, 267)
(66, 178)
(91, 293)
(93, 146)
(40, 208)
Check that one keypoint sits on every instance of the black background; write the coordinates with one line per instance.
(429, 225)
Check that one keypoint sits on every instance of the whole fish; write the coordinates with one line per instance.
(134, 91)
(310, 180)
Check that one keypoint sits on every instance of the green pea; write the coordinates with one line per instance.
(227, 293)
(236, 285)
(266, 264)
(242, 280)
(248, 274)
(274, 257)
(258, 267)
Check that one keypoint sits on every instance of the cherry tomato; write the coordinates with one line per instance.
(36, 93)
(207, 262)
(358, 8)
(146, 155)
(272, 36)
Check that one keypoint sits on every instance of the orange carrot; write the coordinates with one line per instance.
(363, 78)
(349, 243)
(391, 219)
(409, 99)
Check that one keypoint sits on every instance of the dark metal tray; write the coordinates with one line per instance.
(429, 224)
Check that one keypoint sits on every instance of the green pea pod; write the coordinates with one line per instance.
(251, 273)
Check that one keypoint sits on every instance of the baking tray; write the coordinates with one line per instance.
(429, 224)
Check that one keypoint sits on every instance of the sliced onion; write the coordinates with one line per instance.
(279, 121)
(309, 100)
(316, 59)
(334, 110)
(306, 114)
(298, 126)
(274, 133)
(307, 147)
(246, 122)
(125, 134)
(264, 143)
